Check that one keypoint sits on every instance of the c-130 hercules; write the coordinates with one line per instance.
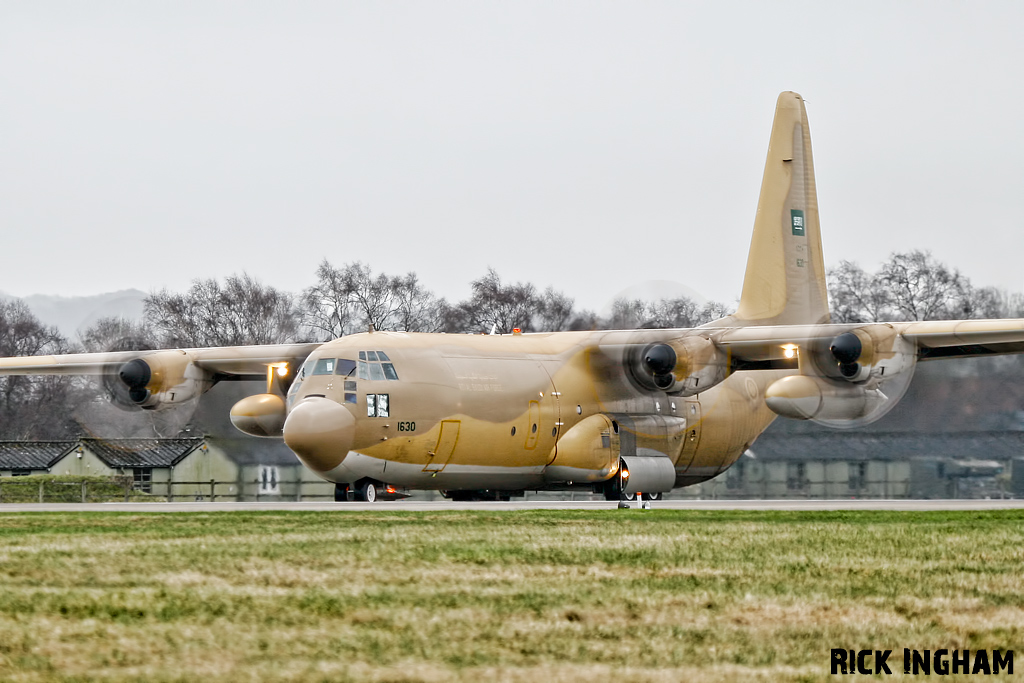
(617, 412)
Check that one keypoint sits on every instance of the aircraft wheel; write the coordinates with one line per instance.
(341, 493)
(652, 496)
(627, 496)
(369, 492)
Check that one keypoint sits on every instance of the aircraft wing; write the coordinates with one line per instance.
(227, 360)
(934, 339)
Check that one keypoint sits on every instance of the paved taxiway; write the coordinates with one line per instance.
(437, 506)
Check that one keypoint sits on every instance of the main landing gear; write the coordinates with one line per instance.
(366, 491)
(613, 492)
(628, 500)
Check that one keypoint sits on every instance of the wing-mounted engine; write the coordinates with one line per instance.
(848, 380)
(163, 379)
(682, 367)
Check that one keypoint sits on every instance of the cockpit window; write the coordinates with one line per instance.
(324, 366)
(345, 367)
(376, 366)
(375, 371)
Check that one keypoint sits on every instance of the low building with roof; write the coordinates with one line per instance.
(23, 458)
(185, 468)
(836, 464)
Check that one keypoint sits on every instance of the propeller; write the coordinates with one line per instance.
(881, 369)
(108, 406)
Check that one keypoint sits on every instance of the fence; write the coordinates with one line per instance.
(124, 489)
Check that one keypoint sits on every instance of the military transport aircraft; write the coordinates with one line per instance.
(617, 412)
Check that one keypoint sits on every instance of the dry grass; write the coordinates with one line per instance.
(513, 596)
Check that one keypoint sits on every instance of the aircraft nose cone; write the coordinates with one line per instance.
(320, 432)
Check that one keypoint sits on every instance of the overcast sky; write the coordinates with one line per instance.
(590, 146)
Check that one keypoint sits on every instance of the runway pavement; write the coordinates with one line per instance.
(438, 506)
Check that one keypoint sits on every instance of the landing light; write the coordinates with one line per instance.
(282, 370)
(789, 350)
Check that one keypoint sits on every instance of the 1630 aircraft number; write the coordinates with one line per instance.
(407, 426)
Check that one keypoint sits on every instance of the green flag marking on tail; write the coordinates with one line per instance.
(797, 216)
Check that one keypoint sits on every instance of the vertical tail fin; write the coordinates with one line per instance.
(785, 278)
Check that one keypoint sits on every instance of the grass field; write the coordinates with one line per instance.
(519, 596)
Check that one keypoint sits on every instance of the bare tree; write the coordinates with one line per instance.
(678, 312)
(241, 311)
(353, 299)
(910, 286)
(500, 306)
(374, 296)
(32, 406)
(118, 334)
(857, 296)
(627, 314)
(327, 307)
(418, 310)
(921, 288)
(713, 310)
(555, 311)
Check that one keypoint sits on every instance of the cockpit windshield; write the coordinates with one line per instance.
(345, 368)
(376, 365)
(324, 366)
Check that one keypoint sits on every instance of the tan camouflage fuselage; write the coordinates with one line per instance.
(524, 411)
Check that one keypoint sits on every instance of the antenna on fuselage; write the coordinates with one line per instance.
(494, 328)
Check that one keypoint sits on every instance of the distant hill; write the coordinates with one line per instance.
(73, 313)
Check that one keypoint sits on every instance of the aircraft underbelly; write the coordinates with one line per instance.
(453, 476)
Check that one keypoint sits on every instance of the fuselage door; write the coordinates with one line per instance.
(447, 438)
(554, 403)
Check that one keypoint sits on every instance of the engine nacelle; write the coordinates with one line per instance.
(872, 355)
(681, 367)
(801, 397)
(260, 415)
(163, 379)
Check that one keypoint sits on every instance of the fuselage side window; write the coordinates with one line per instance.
(378, 405)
